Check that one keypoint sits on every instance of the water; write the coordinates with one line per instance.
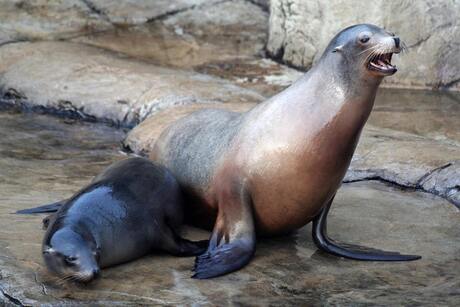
(43, 158)
(428, 113)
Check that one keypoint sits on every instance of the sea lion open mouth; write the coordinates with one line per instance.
(382, 64)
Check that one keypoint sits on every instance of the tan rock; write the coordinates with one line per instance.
(141, 11)
(206, 33)
(47, 19)
(95, 83)
(301, 29)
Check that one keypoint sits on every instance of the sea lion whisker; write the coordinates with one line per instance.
(375, 52)
(370, 48)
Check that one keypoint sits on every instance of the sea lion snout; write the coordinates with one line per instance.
(71, 257)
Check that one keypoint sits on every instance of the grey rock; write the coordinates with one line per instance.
(99, 84)
(407, 160)
(208, 33)
(42, 19)
(444, 181)
(301, 29)
(141, 11)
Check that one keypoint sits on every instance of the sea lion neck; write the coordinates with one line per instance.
(337, 80)
(334, 83)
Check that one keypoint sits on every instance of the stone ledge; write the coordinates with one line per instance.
(102, 84)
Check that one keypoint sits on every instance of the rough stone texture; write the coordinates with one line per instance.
(104, 85)
(136, 12)
(407, 160)
(54, 158)
(262, 75)
(301, 29)
(46, 19)
(44, 159)
(208, 33)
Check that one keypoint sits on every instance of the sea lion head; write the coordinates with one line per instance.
(71, 256)
(367, 48)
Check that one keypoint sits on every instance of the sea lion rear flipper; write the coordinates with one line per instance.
(356, 252)
(233, 241)
(43, 209)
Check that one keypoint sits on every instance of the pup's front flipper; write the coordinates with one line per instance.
(351, 251)
(233, 241)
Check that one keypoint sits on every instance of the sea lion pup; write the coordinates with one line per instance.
(278, 166)
(131, 209)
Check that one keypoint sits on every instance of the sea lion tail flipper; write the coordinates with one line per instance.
(350, 251)
(43, 209)
(233, 241)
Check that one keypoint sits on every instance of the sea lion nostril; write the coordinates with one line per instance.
(396, 41)
(96, 273)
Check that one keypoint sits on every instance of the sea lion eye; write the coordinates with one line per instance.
(364, 39)
(70, 259)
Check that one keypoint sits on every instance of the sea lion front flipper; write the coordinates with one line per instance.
(323, 242)
(43, 209)
(178, 246)
(233, 241)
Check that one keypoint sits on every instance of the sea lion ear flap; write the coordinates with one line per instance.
(338, 48)
(48, 250)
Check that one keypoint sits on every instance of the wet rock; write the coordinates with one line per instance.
(98, 84)
(42, 19)
(407, 160)
(300, 31)
(136, 12)
(433, 114)
(444, 181)
(206, 33)
(262, 75)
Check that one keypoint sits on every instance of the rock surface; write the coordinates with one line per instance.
(301, 29)
(409, 161)
(432, 114)
(99, 84)
(44, 19)
(54, 158)
(214, 31)
(153, 62)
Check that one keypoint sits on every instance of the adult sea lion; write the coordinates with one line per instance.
(132, 208)
(278, 166)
